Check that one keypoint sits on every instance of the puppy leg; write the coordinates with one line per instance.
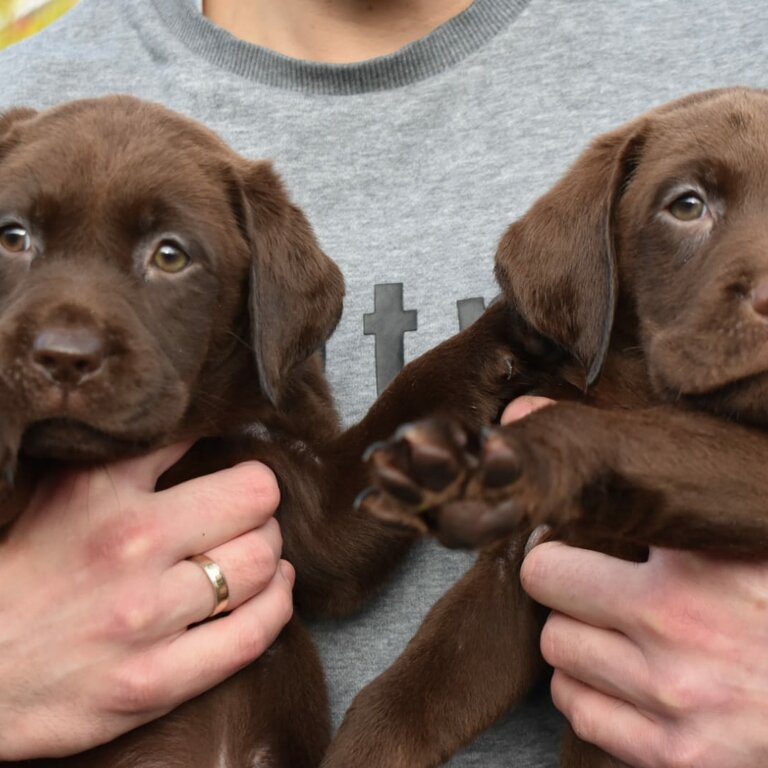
(475, 656)
(341, 553)
(287, 690)
(662, 477)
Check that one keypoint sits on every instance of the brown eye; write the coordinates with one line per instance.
(688, 207)
(15, 239)
(169, 258)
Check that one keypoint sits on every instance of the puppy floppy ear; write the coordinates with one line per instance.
(14, 115)
(557, 265)
(9, 120)
(296, 291)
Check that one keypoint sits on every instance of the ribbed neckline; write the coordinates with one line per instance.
(443, 48)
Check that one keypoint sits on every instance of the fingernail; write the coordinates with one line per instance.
(537, 536)
(288, 572)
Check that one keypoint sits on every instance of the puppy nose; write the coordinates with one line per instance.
(759, 298)
(68, 355)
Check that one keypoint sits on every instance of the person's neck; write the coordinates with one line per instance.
(337, 31)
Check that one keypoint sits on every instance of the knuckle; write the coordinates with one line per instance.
(256, 480)
(133, 690)
(254, 564)
(681, 752)
(272, 527)
(131, 539)
(88, 483)
(651, 618)
(582, 721)
(251, 642)
(285, 605)
(551, 647)
(130, 617)
(288, 572)
(677, 692)
(261, 556)
(673, 617)
(254, 638)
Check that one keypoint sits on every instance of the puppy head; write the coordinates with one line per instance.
(665, 218)
(145, 267)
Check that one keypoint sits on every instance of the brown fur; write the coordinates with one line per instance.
(224, 351)
(656, 329)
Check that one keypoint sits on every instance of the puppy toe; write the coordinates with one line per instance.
(377, 504)
(436, 451)
(500, 465)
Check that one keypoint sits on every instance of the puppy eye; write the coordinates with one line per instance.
(688, 207)
(168, 257)
(15, 239)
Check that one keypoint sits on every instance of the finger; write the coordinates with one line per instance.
(587, 585)
(205, 655)
(208, 511)
(522, 406)
(142, 472)
(613, 725)
(248, 564)
(603, 659)
(102, 490)
(73, 489)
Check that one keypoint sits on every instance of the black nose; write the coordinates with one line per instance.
(68, 355)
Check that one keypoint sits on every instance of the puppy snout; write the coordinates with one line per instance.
(68, 355)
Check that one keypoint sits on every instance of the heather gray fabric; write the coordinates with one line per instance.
(409, 166)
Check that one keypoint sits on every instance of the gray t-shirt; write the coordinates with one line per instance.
(409, 166)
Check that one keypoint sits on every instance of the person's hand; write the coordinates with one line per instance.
(96, 598)
(522, 406)
(662, 663)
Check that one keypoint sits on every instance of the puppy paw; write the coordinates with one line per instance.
(423, 466)
(468, 490)
(465, 489)
(520, 482)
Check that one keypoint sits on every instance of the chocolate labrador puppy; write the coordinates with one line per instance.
(637, 289)
(154, 287)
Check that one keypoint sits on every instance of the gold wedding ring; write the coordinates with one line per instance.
(218, 582)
